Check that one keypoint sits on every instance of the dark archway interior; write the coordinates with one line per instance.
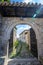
(11, 42)
(33, 43)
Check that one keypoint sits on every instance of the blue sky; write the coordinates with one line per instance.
(21, 28)
(38, 1)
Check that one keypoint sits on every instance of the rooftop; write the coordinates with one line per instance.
(24, 31)
(21, 9)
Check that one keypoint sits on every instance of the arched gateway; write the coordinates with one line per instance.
(10, 23)
(21, 13)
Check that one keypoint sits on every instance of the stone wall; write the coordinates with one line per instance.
(33, 43)
(0, 31)
(36, 24)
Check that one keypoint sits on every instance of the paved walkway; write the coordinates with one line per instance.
(15, 61)
(24, 59)
(30, 61)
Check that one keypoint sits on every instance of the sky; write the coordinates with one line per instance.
(34, 1)
(21, 28)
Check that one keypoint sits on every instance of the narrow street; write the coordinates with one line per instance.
(24, 57)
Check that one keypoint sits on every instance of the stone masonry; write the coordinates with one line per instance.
(35, 23)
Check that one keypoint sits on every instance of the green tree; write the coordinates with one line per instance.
(4, 0)
(1, 0)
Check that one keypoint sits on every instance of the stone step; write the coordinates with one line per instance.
(24, 62)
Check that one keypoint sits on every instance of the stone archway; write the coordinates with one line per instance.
(11, 22)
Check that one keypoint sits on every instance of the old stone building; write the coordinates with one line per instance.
(11, 15)
(25, 37)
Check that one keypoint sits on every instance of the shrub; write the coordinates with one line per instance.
(16, 43)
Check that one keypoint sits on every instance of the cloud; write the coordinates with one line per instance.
(23, 27)
(38, 1)
(27, 1)
(34, 1)
(20, 28)
(41, 1)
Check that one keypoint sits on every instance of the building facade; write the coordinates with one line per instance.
(25, 37)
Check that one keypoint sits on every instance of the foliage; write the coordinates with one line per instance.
(16, 53)
(16, 46)
(16, 43)
(19, 46)
(3, 0)
(11, 55)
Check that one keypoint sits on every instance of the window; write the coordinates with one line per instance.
(26, 32)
